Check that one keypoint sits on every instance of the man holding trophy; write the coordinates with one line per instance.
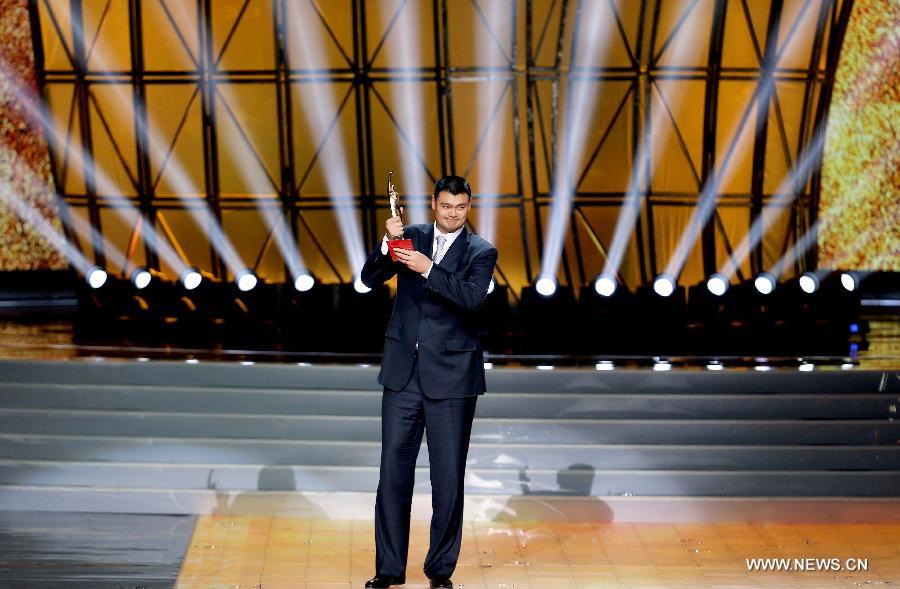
(432, 372)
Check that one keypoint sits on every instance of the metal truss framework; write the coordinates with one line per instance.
(362, 77)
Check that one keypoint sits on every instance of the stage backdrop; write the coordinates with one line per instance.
(27, 196)
(859, 211)
(215, 122)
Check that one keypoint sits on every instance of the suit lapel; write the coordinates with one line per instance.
(427, 241)
(456, 248)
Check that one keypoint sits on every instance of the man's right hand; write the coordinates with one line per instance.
(394, 226)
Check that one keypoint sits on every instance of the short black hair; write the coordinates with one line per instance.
(454, 185)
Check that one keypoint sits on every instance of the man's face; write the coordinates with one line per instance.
(450, 210)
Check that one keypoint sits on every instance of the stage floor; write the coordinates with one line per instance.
(288, 553)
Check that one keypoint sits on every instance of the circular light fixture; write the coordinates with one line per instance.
(191, 278)
(96, 277)
(141, 278)
(717, 284)
(664, 285)
(764, 283)
(849, 281)
(360, 287)
(546, 286)
(809, 282)
(246, 280)
(304, 282)
(605, 285)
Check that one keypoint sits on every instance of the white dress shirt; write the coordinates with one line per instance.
(449, 236)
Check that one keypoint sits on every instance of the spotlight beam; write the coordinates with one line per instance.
(178, 176)
(28, 100)
(581, 95)
(681, 44)
(317, 100)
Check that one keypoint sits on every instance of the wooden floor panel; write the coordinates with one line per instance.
(289, 553)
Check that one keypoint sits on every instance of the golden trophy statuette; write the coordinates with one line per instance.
(394, 198)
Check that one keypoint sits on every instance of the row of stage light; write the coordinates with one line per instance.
(191, 278)
(664, 285)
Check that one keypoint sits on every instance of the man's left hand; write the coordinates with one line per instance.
(415, 261)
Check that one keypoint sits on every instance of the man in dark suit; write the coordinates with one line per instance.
(432, 372)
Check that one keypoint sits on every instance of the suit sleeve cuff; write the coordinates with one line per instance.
(427, 272)
(384, 246)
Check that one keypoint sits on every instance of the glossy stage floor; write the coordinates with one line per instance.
(123, 467)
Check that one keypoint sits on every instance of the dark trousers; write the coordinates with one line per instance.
(405, 415)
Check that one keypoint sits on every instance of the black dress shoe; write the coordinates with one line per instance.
(385, 581)
(441, 583)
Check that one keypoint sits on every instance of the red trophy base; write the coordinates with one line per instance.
(405, 244)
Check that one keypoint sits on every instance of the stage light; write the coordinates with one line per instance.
(809, 282)
(546, 286)
(246, 280)
(715, 366)
(304, 282)
(662, 366)
(849, 281)
(764, 283)
(847, 366)
(96, 277)
(605, 285)
(491, 286)
(360, 287)
(605, 365)
(717, 284)
(806, 367)
(544, 367)
(664, 285)
(762, 368)
(191, 278)
(141, 277)
(488, 365)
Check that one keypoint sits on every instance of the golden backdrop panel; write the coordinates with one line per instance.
(407, 144)
(859, 209)
(668, 233)
(171, 37)
(243, 35)
(247, 229)
(681, 24)
(191, 236)
(481, 33)
(783, 133)
(323, 245)
(797, 31)
(778, 223)
(106, 36)
(733, 228)
(745, 33)
(545, 22)
(484, 141)
(176, 158)
(606, 167)
(319, 35)
(735, 131)
(112, 137)
(65, 143)
(56, 34)
(400, 34)
(247, 139)
(676, 136)
(118, 227)
(325, 138)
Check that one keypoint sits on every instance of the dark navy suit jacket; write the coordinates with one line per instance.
(439, 313)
